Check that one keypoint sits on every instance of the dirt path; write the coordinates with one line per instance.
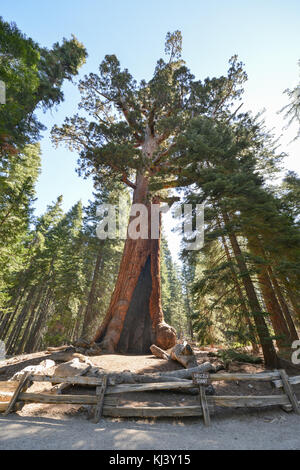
(254, 430)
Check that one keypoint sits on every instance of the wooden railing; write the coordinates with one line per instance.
(106, 403)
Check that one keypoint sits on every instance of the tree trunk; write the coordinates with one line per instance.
(189, 315)
(9, 317)
(16, 330)
(278, 322)
(90, 311)
(134, 320)
(240, 294)
(77, 325)
(284, 306)
(294, 302)
(269, 352)
(35, 332)
(29, 322)
(280, 327)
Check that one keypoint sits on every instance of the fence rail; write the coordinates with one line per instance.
(105, 400)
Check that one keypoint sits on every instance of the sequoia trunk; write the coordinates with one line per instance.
(135, 319)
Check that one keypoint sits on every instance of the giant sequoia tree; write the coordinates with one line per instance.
(130, 134)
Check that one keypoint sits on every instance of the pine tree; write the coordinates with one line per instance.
(33, 77)
(173, 296)
(17, 193)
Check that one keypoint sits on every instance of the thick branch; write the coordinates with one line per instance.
(127, 181)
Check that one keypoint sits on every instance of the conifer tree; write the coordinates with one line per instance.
(131, 132)
(33, 77)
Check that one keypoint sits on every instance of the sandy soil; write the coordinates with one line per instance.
(265, 429)
(39, 426)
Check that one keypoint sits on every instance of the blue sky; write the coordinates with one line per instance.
(264, 34)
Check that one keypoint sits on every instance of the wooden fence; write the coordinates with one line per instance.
(106, 404)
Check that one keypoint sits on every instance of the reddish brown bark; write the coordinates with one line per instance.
(135, 318)
(280, 327)
(278, 322)
(295, 303)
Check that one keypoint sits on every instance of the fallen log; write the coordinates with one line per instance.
(60, 348)
(128, 388)
(187, 373)
(113, 378)
(184, 354)
(116, 378)
(160, 353)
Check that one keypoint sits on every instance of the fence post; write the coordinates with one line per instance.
(289, 391)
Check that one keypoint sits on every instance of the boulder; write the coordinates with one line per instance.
(45, 367)
(71, 368)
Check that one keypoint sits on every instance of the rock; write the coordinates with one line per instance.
(165, 336)
(71, 368)
(47, 364)
(33, 369)
(45, 367)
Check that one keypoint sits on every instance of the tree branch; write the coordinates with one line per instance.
(127, 181)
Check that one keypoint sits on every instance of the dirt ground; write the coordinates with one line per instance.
(264, 429)
(39, 426)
